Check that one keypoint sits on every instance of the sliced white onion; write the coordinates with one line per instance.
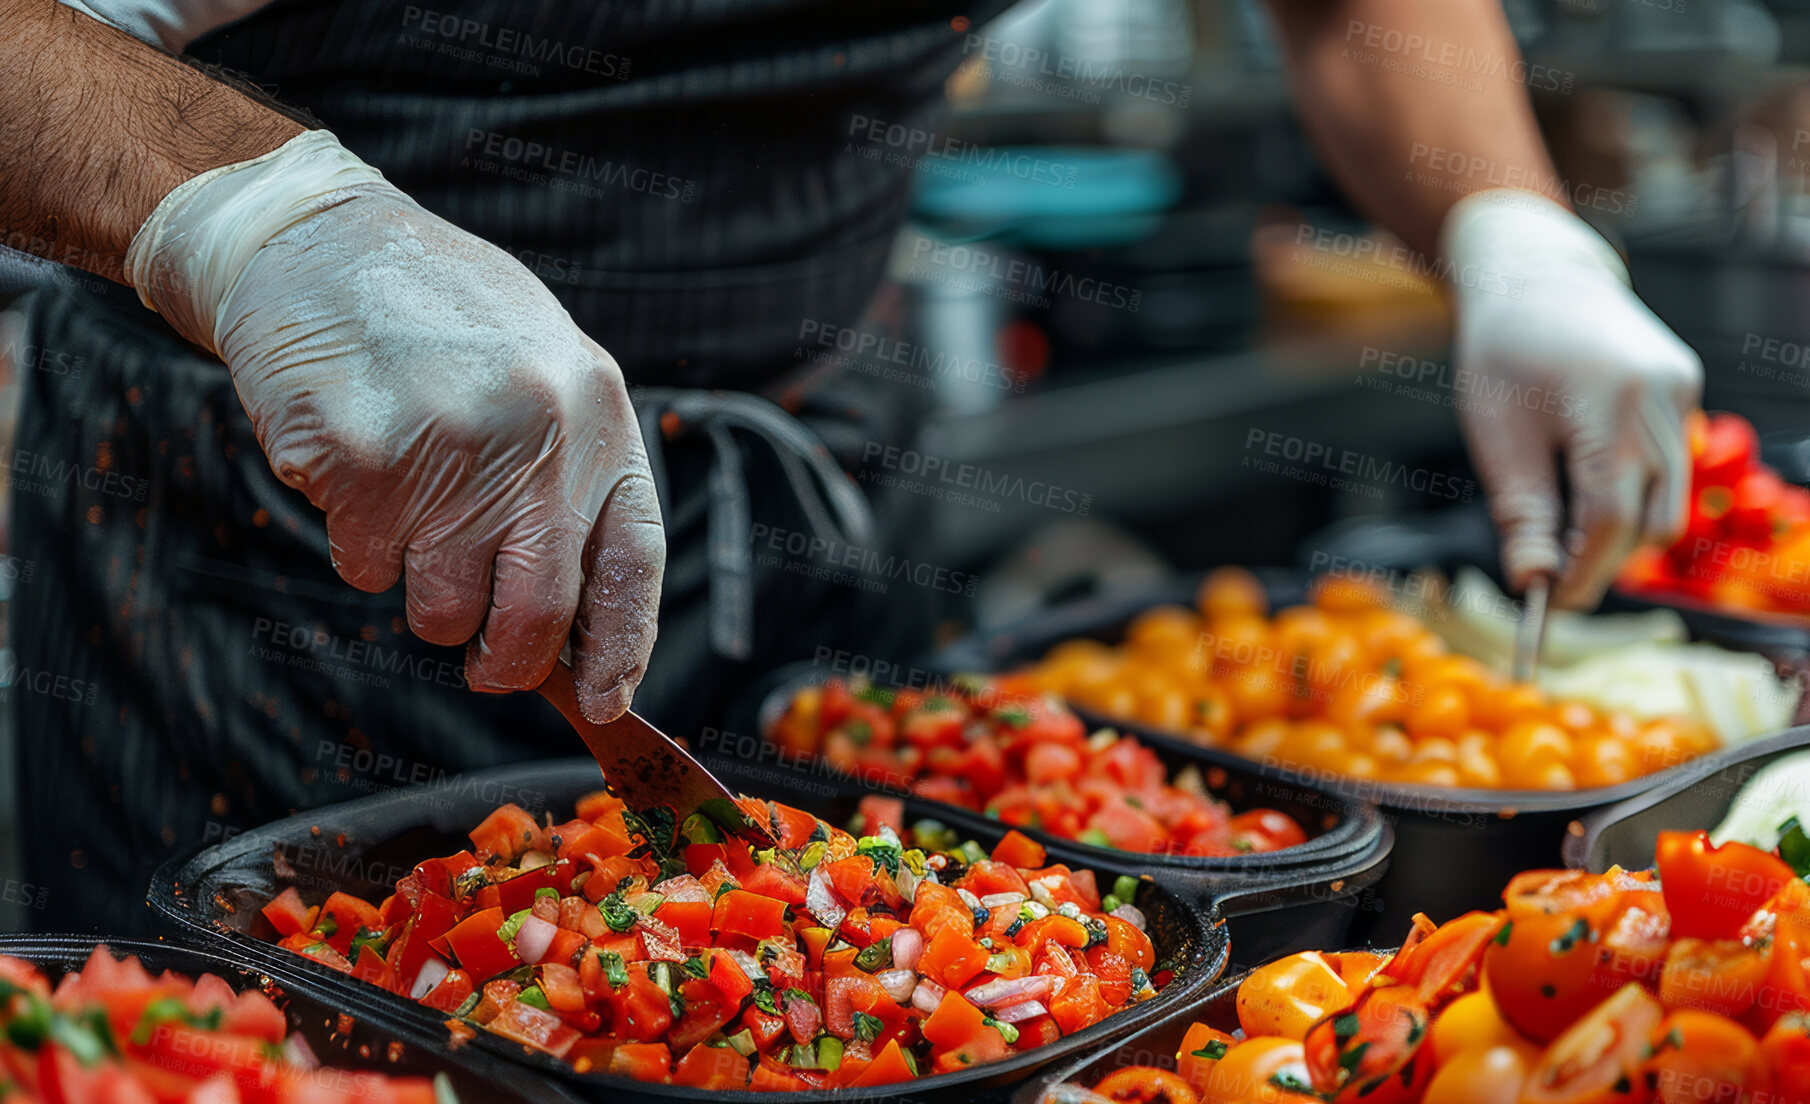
(1003, 991)
(535, 936)
(927, 996)
(907, 883)
(898, 983)
(820, 899)
(968, 899)
(995, 900)
(907, 948)
(534, 860)
(433, 971)
(1041, 894)
(1132, 915)
(1020, 1012)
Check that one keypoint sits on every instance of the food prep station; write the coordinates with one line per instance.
(1261, 716)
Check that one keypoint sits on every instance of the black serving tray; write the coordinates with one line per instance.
(212, 899)
(1454, 848)
(370, 1039)
(1697, 796)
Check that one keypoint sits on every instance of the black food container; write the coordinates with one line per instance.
(1156, 1046)
(212, 899)
(1454, 848)
(1695, 796)
(342, 1031)
(1275, 903)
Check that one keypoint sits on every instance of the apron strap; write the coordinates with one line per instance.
(833, 506)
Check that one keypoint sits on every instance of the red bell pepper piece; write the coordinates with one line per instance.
(476, 946)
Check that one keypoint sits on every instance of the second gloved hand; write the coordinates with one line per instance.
(433, 398)
(1563, 364)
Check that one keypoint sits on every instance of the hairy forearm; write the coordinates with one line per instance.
(1414, 103)
(97, 127)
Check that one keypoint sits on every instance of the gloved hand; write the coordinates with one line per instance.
(432, 397)
(1560, 361)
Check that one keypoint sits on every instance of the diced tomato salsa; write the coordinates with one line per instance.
(626, 946)
(114, 1033)
(1000, 747)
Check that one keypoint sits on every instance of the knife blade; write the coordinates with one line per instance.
(1530, 634)
(648, 769)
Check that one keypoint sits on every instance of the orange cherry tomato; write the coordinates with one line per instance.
(1145, 1085)
(1713, 975)
(1260, 1070)
(1785, 1055)
(1202, 1048)
(1599, 1059)
(1375, 1051)
(1702, 1056)
(1290, 995)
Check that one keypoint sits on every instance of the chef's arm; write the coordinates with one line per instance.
(1420, 109)
(1370, 86)
(97, 127)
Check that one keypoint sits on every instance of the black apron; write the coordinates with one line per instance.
(187, 662)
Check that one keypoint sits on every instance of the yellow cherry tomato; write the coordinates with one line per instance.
(1493, 1075)
(1290, 995)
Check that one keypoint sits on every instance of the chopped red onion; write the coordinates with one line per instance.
(1018, 1013)
(535, 936)
(1132, 915)
(1000, 991)
(927, 996)
(299, 1053)
(907, 948)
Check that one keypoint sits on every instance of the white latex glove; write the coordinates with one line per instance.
(434, 399)
(1559, 361)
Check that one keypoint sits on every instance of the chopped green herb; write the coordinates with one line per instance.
(616, 912)
(868, 1028)
(513, 925)
(615, 971)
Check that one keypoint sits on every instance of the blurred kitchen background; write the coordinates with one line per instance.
(1681, 128)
